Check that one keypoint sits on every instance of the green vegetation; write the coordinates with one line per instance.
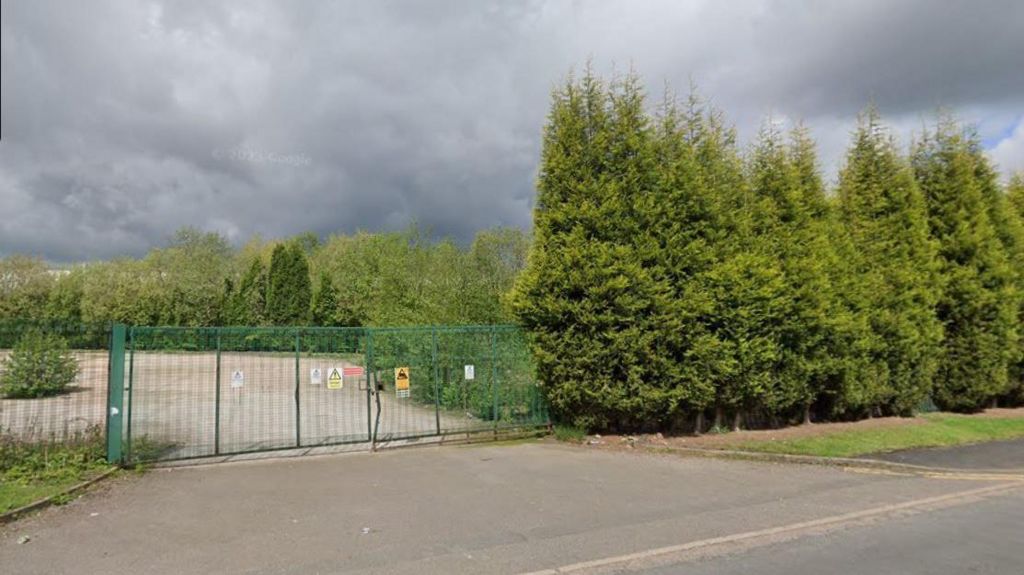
(935, 430)
(398, 278)
(674, 275)
(38, 366)
(979, 302)
(30, 471)
(569, 433)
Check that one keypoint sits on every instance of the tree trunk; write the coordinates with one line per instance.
(807, 414)
(719, 417)
(995, 403)
(737, 420)
(699, 426)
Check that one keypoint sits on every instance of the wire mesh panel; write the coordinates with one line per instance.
(196, 392)
(53, 380)
(334, 400)
(465, 365)
(403, 368)
(460, 379)
(171, 396)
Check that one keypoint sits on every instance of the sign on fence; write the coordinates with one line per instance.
(237, 378)
(401, 382)
(334, 380)
(470, 372)
(316, 377)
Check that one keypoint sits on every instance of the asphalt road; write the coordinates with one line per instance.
(513, 509)
(982, 537)
(992, 455)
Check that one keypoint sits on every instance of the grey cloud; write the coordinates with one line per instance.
(124, 121)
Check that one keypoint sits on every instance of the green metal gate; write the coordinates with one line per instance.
(198, 392)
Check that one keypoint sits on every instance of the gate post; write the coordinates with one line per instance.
(115, 393)
(437, 388)
(494, 377)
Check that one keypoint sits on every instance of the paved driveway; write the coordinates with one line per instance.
(482, 509)
(1004, 455)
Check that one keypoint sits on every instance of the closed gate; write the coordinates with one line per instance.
(198, 392)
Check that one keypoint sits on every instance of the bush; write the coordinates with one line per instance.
(39, 366)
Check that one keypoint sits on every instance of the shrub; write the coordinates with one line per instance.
(39, 366)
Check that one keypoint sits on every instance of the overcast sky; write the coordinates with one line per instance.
(123, 121)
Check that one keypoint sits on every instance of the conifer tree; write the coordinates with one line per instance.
(595, 312)
(288, 286)
(1015, 193)
(886, 221)
(978, 306)
(247, 305)
(792, 222)
(747, 281)
(324, 306)
(1011, 205)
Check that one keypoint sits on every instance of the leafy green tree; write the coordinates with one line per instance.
(886, 220)
(192, 271)
(65, 300)
(25, 285)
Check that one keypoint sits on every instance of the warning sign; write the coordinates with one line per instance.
(402, 382)
(334, 380)
(316, 377)
(470, 372)
(237, 378)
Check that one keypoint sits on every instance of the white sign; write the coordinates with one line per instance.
(470, 372)
(316, 377)
(237, 378)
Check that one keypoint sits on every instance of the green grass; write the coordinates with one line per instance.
(569, 433)
(936, 430)
(32, 471)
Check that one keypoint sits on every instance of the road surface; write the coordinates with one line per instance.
(524, 508)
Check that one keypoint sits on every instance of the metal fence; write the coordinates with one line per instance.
(30, 411)
(197, 392)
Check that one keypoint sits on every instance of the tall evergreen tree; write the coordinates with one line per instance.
(288, 287)
(591, 305)
(1015, 193)
(978, 306)
(247, 305)
(324, 306)
(886, 220)
(792, 220)
(747, 281)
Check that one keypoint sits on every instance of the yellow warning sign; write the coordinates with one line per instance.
(402, 381)
(334, 380)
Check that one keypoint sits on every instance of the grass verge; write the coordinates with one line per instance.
(936, 430)
(30, 471)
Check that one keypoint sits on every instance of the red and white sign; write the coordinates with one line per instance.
(355, 370)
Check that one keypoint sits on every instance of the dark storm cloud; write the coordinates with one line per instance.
(124, 121)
